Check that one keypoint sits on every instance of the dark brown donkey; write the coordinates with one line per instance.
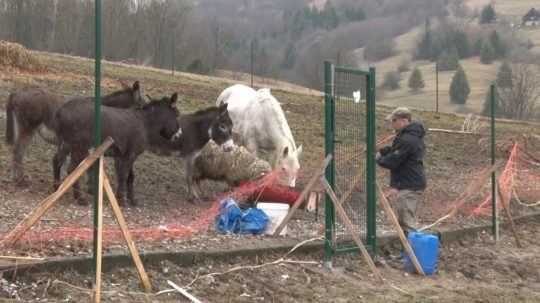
(31, 109)
(133, 131)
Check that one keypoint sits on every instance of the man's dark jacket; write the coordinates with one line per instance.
(405, 158)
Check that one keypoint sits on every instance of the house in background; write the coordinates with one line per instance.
(531, 18)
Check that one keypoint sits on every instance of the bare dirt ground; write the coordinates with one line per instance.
(475, 269)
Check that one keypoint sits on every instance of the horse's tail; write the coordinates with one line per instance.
(10, 121)
(48, 135)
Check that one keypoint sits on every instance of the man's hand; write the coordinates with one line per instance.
(385, 150)
(391, 193)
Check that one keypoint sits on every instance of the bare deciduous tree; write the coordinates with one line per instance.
(521, 100)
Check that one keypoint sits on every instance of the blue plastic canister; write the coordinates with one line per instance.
(426, 249)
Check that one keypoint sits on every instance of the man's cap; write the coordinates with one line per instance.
(400, 112)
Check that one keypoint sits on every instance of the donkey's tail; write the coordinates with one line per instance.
(10, 121)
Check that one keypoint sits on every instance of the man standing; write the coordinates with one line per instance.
(404, 159)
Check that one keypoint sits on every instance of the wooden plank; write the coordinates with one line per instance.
(15, 235)
(21, 258)
(343, 215)
(450, 131)
(401, 235)
(99, 245)
(127, 235)
(307, 189)
(508, 214)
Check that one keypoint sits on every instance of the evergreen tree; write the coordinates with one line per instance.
(461, 42)
(498, 45)
(504, 76)
(478, 47)
(459, 88)
(424, 48)
(415, 80)
(330, 19)
(448, 60)
(391, 80)
(487, 54)
(486, 108)
(290, 57)
(487, 15)
(355, 14)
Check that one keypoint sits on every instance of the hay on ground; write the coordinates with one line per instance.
(15, 55)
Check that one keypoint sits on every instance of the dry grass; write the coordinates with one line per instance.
(15, 55)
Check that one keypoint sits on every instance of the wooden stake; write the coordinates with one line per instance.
(507, 211)
(343, 216)
(307, 189)
(99, 250)
(127, 235)
(401, 235)
(16, 234)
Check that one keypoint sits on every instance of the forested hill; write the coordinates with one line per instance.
(290, 38)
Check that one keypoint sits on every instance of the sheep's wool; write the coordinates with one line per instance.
(232, 167)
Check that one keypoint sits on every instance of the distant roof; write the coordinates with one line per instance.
(532, 15)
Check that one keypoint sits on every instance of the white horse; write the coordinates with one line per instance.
(259, 123)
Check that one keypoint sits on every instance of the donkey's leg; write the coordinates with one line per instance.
(120, 180)
(22, 140)
(58, 161)
(77, 156)
(130, 181)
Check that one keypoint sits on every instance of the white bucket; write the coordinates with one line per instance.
(276, 212)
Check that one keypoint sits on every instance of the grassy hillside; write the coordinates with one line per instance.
(479, 75)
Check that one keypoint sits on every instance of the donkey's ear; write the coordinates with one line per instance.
(136, 86)
(223, 107)
(174, 98)
(299, 151)
(149, 98)
(285, 151)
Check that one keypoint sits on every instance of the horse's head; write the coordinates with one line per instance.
(221, 129)
(162, 115)
(289, 165)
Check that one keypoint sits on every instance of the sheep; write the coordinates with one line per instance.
(231, 167)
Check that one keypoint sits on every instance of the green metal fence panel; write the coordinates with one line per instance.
(350, 138)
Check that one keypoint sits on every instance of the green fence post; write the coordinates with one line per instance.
(329, 126)
(494, 216)
(97, 116)
(371, 187)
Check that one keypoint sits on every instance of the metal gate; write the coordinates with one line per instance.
(350, 138)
